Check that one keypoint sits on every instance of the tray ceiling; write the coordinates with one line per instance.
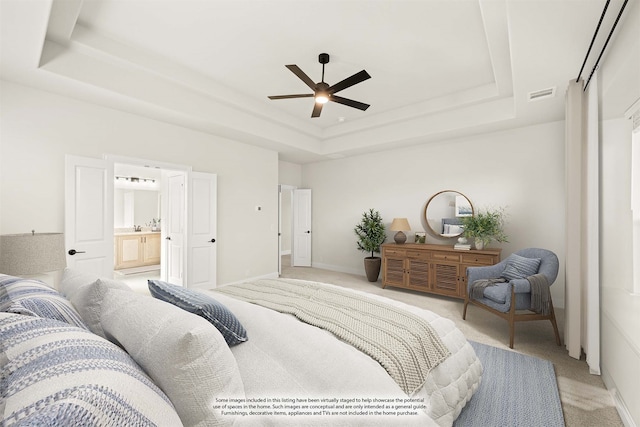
(440, 69)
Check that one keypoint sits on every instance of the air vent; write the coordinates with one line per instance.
(542, 94)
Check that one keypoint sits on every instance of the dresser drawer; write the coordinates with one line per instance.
(395, 252)
(445, 256)
(413, 254)
(478, 259)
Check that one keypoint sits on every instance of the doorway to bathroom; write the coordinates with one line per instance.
(187, 213)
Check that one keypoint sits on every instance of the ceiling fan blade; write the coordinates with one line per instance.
(302, 76)
(349, 81)
(349, 102)
(303, 95)
(317, 109)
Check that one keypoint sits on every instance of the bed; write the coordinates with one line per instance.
(267, 368)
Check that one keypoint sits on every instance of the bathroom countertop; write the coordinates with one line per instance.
(130, 233)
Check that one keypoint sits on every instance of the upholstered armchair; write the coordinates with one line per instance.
(508, 288)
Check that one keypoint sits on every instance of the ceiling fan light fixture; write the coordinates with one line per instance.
(322, 97)
(323, 92)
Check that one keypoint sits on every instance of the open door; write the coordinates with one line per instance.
(301, 250)
(202, 208)
(89, 215)
(174, 230)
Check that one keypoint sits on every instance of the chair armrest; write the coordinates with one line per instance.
(485, 272)
(522, 286)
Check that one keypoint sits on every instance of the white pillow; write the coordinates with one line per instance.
(73, 279)
(182, 352)
(87, 300)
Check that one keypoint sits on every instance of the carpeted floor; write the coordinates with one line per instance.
(585, 400)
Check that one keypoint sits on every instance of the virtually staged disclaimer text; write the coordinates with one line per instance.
(292, 407)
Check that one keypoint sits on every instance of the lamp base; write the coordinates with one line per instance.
(400, 237)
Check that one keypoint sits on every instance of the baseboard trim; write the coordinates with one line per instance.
(621, 407)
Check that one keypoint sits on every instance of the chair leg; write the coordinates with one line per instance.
(464, 312)
(512, 317)
(555, 325)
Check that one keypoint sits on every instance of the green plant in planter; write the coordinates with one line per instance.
(485, 227)
(370, 232)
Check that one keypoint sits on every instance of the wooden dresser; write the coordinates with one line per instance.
(436, 269)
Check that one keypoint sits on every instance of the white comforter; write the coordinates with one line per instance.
(286, 358)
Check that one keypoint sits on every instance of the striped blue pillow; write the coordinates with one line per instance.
(49, 307)
(34, 298)
(13, 288)
(519, 267)
(202, 305)
(57, 374)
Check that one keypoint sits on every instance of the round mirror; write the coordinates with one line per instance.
(444, 211)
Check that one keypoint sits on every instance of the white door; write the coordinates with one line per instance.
(89, 215)
(173, 229)
(301, 250)
(202, 207)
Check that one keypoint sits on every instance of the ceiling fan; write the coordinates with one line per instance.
(322, 92)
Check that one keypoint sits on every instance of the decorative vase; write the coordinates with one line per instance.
(479, 243)
(372, 268)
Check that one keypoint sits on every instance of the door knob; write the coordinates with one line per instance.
(167, 238)
(212, 240)
(73, 252)
(308, 231)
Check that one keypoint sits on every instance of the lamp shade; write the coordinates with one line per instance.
(32, 253)
(400, 224)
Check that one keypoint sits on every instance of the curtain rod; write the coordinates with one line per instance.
(593, 39)
(615, 24)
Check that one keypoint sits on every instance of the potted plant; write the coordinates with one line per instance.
(485, 227)
(371, 235)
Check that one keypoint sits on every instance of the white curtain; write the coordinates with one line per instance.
(582, 284)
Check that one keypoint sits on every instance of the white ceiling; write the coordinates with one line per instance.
(440, 68)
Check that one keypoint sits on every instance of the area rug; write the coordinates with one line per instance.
(516, 390)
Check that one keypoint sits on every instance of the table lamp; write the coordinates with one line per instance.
(31, 253)
(400, 225)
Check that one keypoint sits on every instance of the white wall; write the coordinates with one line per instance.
(620, 310)
(521, 170)
(289, 173)
(39, 128)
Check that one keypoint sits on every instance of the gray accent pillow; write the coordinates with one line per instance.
(519, 267)
(202, 305)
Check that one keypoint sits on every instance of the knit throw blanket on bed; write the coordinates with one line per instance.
(404, 344)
